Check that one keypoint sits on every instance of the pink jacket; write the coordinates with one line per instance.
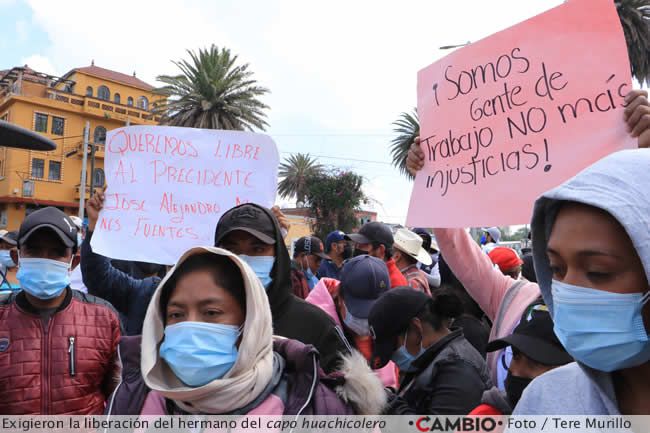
(490, 288)
(321, 297)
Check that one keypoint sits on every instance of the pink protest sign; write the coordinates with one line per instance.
(513, 115)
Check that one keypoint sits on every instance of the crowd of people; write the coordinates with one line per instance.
(373, 322)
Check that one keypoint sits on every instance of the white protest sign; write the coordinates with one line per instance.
(168, 187)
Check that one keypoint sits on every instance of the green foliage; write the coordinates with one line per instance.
(635, 16)
(334, 196)
(294, 172)
(407, 127)
(212, 92)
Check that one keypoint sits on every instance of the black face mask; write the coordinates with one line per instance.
(515, 386)
(347, 251)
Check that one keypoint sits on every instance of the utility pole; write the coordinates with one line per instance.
(92, 169)
(82, 198)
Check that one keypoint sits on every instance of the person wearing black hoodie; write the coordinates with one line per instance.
(253, 232)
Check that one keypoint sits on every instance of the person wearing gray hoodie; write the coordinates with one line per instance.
(592, 259)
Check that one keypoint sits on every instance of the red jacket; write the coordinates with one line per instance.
(397, 279)
(65, 366)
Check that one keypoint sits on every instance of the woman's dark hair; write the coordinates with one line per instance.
(225, 273)
(444, 305)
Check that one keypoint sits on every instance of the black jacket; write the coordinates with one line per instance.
(296, 319)
(448, 379)
(128, 295)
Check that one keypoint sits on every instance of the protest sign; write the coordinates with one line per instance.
(168, 187)
(511, 116)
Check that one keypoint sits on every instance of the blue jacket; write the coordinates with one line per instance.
(328, 269)
(128, 295)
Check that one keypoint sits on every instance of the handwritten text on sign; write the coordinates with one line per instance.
(168, 187)
(511, 116)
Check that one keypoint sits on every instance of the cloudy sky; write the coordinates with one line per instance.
(340, 72)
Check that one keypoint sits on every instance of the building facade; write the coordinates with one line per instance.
(59, 108)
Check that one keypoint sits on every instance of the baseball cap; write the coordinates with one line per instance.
(372, 232)
(310, 245)
(534, 337)
(52, 218)
(427, 241)
(9, 237)
(390, 317)
(363, 280)
(505, 258)
(78, 222)
(248, 218)
(411, 244)
(335, 236)
(494, 232)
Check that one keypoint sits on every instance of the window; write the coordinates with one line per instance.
(99, 178)
(103, 93)
(69, 88)
(55, 170)
(89, 91)
(40, 122)
(129, 101)
(143, 103)
(58, 125)
(5, 117)
(116, 98)
(38, 168)
(100, 135)
(28, 188)
(4, 220)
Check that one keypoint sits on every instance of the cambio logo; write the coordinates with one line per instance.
(459, 424)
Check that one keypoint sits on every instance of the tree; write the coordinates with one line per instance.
(334, 197)
(634, 16)
(212, 92)
(407, 127)
(294, 172)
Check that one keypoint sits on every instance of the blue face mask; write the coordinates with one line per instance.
(262, 266)
(6, 260)
(356, 325)
(403, 357)
(200, 352)
(43, 278)
(483, 239)
(603, 330)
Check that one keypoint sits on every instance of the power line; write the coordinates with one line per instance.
(343, 159)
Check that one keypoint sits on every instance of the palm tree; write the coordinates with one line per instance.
(212, 92)
(634, 16)
(294, 171)
(407, 127)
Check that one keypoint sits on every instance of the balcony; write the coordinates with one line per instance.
(100, 150)
(102, 108)
(77, 192)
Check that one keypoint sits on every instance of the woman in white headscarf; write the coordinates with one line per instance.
(207, 348)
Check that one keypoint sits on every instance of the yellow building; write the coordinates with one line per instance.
(59, 108)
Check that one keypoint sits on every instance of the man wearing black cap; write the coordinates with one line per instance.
(62, 343)
(253, 232)
(535, 350)
(376, 239)
(442, 373)
(308, 254)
